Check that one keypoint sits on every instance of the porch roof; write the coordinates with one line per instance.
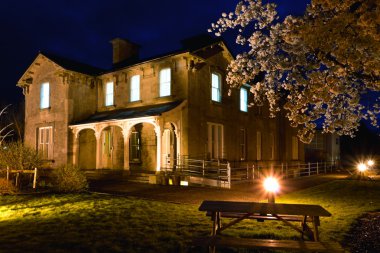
(129, 113)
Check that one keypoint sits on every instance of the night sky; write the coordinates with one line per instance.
(81, 30)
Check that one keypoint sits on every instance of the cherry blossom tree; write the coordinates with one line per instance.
(316, 67)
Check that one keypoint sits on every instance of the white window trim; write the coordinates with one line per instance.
(210, 140)
(165, 85)
(216, 90)
(135, 88)
(45, 95)
(43, 144)
(108, 95)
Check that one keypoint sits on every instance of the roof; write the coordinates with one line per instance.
(73, 65)
(129, 113)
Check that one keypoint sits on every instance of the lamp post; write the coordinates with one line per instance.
(272, 186)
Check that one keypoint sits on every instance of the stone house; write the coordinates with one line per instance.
(143, 114)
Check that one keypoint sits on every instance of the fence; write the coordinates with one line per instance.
(222, 173)
(19, 172)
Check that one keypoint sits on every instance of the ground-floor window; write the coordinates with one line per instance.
(258, 145)
(45, 142)
(215, 140)
(243, 139)
(135, 147)
(294, 148)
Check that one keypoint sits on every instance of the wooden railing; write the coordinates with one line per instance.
(19, 172)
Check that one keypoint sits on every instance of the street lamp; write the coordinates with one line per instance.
(272, 186)
(362, 167)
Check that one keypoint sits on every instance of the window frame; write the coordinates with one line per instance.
(215, 140)
(218, 88)
(134, 91)
(243, 103)
(44, 146)
(45, 95)
(107, 100)
(165, 85)
(132, 159)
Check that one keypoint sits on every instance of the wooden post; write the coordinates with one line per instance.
(309, 170)
(247, 172)
(7, 173)
(253, 172)
(35, 178)
(317, 169)
(203, 168)
(17, 178)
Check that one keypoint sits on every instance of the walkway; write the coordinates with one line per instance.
(195, 195)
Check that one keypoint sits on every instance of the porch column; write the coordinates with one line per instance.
(157, 129)
(76, 147)
(98, 150)
(126, 133)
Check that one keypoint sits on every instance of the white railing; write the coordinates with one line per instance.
(222, 173)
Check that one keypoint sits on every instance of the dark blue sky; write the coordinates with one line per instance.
(81, 30)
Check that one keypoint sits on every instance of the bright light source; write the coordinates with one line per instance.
(370, 163)
(184, 183)
(362, 167)
(271, 184)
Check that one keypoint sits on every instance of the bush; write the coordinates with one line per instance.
(69, 178)
(19, 157)
(6, 187)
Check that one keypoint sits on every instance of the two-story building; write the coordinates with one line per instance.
(142, 114)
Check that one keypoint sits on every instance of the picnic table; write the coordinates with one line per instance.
(287, 213)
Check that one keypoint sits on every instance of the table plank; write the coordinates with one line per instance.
(263, 208)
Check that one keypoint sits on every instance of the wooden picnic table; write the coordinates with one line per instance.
(286, 213)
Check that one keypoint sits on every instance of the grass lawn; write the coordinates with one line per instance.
(105, 223)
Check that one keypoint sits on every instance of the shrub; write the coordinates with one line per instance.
(6, 187)
(19, 157)
(69, 178)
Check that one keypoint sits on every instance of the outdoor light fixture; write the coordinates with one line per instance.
(362, 167)
(272, 186)
(370, 163)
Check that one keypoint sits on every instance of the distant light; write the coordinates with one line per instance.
(271, 184)
(370, 163)
(170, 181)
(362, 167)
(184, 183)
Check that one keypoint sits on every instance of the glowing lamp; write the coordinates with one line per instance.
(370, 163)
(272, 186)
(362, 167)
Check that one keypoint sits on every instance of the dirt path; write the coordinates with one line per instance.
(195, 195)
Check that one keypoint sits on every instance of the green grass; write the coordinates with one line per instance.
(104, 223)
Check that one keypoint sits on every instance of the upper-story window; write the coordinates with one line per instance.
(109, 94)
(165, 77)
(216, 87)
(135, 88)
(45, 96)
(243, 99)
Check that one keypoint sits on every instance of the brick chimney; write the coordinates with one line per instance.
(124, 50)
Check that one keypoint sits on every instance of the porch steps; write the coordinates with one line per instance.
(138, 177)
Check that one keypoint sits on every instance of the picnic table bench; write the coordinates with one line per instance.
(287, 213)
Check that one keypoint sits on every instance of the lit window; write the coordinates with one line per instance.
(45, 96)
(165, 82)
(294, 148)
(258, 145)
(243, 100)
(45, 142)
(135, 88)
(215, 141)
(109, 94)
(216, 94)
